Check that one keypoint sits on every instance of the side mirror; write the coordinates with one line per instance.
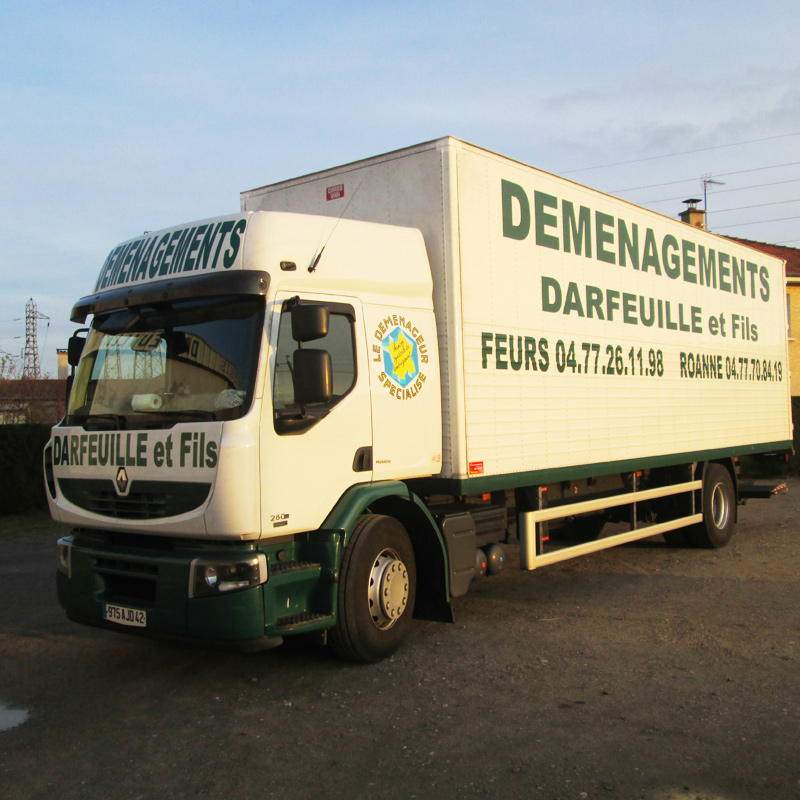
(179, 342)
(312, 373)
(75, 347)
(310, 322)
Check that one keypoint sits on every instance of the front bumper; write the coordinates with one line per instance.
(153, 574)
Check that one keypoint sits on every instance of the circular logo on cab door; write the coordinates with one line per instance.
(400, 357)
(402, 352)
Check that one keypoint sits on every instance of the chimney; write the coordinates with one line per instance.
(692, 215)
(63, 366)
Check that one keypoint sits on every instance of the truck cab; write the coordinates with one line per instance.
(248, 387)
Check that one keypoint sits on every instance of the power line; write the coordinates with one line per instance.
(755, 222)
(720, 191)
(756, 186)
(759, 205)
(682, 153)
(691, 180)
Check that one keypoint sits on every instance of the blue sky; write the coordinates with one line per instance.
(120, 117)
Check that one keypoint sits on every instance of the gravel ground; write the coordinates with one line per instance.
(638, 672)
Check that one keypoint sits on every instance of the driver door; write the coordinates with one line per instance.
(307, 465)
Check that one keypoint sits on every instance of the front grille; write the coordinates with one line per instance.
(136, 505)
(124, 579)
(124, 588)
(145, 500)
(104, 564)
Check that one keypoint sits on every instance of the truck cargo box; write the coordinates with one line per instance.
(579, 334)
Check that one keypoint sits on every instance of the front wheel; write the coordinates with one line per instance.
(719, 509)
(377, 588)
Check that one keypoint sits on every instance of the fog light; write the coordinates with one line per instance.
(219, 576)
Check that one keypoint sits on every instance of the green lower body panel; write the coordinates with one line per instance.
(516, 480)
(301, 594)
(142, 585)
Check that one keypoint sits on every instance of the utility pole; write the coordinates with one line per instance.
(30, 356)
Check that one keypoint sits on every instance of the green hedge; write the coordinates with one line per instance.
(21, 475)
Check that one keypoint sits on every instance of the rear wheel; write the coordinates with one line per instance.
(377, 588)
(719, 509)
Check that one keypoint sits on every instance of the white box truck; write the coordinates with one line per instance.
(327, 413)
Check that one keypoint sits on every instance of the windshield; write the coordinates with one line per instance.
(152, 366)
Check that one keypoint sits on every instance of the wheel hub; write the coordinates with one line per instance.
(720, 508)
(388, 589)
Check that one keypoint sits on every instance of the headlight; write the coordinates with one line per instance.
(65, 556)
(221, 575)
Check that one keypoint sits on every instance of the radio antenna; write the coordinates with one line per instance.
(708, 181)
(313, 266)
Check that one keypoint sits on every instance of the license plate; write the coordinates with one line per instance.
(123, 615)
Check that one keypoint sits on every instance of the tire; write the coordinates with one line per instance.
(719, 509)
(377, 589)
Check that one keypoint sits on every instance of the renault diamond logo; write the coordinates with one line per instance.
(122, 481)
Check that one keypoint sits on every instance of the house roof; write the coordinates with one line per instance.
(25, 389)
(791, 255)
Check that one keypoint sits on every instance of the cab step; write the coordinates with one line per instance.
(307, 619)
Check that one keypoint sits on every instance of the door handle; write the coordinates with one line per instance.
(363, 460)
